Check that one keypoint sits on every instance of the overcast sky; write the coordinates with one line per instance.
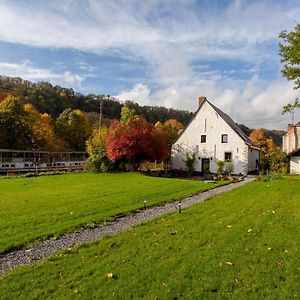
(164, 53)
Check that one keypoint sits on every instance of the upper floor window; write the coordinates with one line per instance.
(224, 138)
(203, 138)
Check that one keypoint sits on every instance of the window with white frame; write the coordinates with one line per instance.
(224, 138)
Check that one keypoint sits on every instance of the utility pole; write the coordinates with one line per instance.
(100, 113)
(101, 98)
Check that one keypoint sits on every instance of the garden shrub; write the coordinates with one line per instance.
(220, 164)
(229, 167)
(189, 160)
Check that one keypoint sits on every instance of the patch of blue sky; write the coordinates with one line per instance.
(110, 74)
(229, 67)
(104, 73)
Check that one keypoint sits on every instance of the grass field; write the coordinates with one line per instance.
(31, 208)
(240, 245)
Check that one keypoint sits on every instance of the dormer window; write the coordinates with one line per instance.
(203, 139)
(224, 138)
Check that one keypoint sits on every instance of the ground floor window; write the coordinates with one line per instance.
(228, 156)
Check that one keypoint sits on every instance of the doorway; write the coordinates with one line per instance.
(205, 165)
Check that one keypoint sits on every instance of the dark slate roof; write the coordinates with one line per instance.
(294, 153)
(233, 125)
(228, 120)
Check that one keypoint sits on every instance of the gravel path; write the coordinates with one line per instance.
(44, 249)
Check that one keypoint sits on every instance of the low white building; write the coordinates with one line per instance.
(212, 135)
(291, 146)
(295, 162)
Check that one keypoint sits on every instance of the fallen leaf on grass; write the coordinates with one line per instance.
(228, 226)
(110, 275)
(173, 232)
(279, 262)
(273, 212)
(229, 263)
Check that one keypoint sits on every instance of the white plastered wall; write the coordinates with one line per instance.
(295, 165)
(253, 158)
(214, 149)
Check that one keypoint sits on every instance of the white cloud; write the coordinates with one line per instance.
(169, 38)
(72, 79)
(27, 71)
(255, 106)
(142, 29)
(139, 93)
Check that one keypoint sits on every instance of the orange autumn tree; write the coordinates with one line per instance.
(266, 145)
(260, 139)
(3, 95)
(171, 129)
(41, 126)
(174, 123)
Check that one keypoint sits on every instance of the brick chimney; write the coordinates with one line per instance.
(290, 127)
(201, 100)
(291, 138)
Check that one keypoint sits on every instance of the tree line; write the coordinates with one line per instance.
(124, 142)
(54, 99)
(23, 127)
(129, 141)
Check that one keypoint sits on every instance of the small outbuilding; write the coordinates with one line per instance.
(291, 146)
(294, 161)
(212, 135)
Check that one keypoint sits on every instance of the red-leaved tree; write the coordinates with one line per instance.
(136, 141)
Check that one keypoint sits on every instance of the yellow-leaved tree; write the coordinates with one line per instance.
(41, 126)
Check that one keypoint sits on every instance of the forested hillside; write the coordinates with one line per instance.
(275, 135)
(52, 117)
(53, 100)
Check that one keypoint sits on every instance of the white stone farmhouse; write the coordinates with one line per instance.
(212, 135)
(291, 146)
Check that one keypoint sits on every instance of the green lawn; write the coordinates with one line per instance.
(239, 245)
(31, 208)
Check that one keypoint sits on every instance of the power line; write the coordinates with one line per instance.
(267, 120)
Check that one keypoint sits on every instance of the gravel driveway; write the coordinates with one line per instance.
(44, 249)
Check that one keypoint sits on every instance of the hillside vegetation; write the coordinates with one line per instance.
(53, 100)
(53, 118)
